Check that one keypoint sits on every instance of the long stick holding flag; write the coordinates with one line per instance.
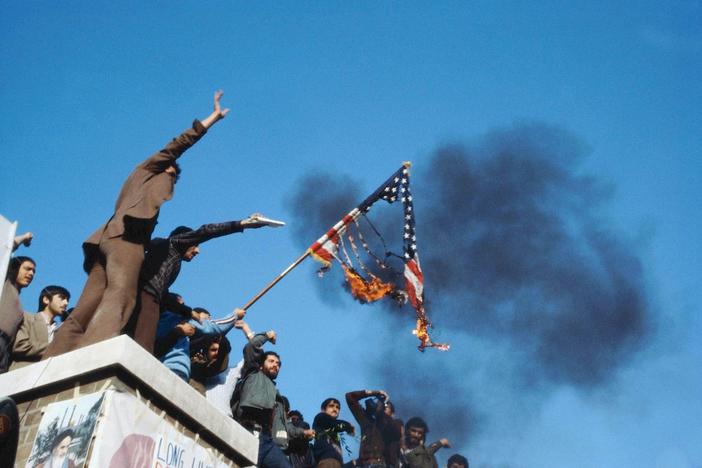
(324, 249)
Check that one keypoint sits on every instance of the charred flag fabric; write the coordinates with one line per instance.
(397, 187)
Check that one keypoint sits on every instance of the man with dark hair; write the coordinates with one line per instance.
(378, 430)
(415, 453)
(209, 357)
(162, 266)
(285, 433)
(37, 330)
(327, 446)
(299, 449)
(256, 397)
(20, 274)
(174, 335)
(115, 252)
(394, 437)
(457, 461)
(9, 431)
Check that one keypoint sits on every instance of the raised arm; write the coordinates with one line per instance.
(160, 161)
(254, 348)
(438, 444)
(220, 326)
(353, 399)
(217, 113)
(23, 239)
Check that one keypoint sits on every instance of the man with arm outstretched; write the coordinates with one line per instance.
(115, 252)
(162, 264)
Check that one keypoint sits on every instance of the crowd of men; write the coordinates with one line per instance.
(128, 291)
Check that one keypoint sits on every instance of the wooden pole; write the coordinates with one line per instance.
(275, 281)
(258, 296)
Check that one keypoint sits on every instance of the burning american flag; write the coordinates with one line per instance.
(326, 249)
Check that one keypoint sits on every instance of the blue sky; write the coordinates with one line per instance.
(89, 89)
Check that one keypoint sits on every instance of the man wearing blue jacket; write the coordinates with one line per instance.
(174, 334)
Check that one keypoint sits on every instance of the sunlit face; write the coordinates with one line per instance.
(271, 366)
(213, 350)
(25, 275)
(332, 409)
(388, 410)
(57, 305)
(191, 252)
(61, 450)
(415, 435)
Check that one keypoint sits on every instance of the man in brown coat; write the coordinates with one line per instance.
(115, 252)
(38, 330)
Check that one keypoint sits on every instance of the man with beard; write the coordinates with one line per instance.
(58, 457)
(254, 404)
(37, 330)
(416, 454)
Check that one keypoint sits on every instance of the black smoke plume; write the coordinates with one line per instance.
(524, 275)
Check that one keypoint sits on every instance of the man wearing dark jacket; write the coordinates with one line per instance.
(114, 253)
(259, 397)
(416, 454)
(162, 266)
(378, 430)
(328, 427)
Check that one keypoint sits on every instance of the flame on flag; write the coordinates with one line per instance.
(326, 249)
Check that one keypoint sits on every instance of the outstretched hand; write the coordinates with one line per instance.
(218, 113)
(221, 113)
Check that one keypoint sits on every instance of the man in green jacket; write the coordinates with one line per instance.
(416, 454)
(254, 405)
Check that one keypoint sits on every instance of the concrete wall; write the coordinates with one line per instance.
(122, 365)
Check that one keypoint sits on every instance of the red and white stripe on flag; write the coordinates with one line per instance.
(325, 249)
(414, 281)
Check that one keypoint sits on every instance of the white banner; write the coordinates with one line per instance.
(7, 237)
(133, 435)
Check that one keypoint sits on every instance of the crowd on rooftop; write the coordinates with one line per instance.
(127, 291)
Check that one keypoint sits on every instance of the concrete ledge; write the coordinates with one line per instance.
(123, 358)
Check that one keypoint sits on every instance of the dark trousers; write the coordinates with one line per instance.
(9, 431)
(147, 315)
(269, 454)
(5, 351)
(107, 300)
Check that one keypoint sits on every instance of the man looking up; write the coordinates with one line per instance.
(162, 266)
(416, 455)
(37, 330)
(20, 274)
(115, 252)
